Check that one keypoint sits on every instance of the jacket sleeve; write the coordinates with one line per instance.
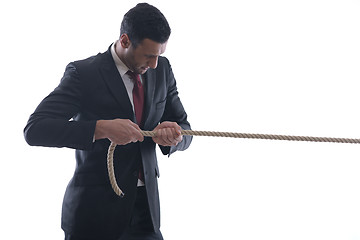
(175, 112)
(53, 125)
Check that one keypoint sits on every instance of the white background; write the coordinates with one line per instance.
(280, 67)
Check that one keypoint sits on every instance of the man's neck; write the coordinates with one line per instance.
(119, 52)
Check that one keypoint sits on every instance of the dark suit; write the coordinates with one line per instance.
(90, 90)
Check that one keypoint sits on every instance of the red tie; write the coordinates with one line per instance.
(138, 97)
(138, 100)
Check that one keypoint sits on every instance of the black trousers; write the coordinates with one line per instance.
(140, 227)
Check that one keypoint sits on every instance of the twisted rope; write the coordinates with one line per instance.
(111, 150)
(259, 136)
(111, 173)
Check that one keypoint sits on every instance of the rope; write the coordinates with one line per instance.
(110, 164)
(259, 136)
(111, 150)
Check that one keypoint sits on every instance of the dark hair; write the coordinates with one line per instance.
(145, 21)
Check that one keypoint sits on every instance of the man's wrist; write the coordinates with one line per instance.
(100, 130)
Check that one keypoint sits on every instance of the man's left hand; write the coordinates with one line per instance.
(167, 134)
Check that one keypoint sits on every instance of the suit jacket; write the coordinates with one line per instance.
(90, 90)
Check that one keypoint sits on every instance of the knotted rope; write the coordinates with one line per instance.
(111, 150)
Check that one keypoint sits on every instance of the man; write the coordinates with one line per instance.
(110, 97)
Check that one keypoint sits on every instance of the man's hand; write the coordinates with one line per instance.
(119, 131)
(168, 134)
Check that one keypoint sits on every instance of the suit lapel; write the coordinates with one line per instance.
(150, 83)
(116, 85)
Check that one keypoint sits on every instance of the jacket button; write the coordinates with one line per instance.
(135, 173)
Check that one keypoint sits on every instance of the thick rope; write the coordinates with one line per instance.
(259, 136)
(110, 164)
(111, 150)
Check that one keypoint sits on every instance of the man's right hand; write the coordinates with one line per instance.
(119, 131)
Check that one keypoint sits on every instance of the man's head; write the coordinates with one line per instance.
(145, 21)
(143, 37)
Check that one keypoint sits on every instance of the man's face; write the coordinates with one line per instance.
(144, 56)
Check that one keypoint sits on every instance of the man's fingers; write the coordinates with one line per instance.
(137, 136)
(168, 136)
(125, 131)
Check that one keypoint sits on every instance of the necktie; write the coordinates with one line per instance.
(138, 100)
(138, 97)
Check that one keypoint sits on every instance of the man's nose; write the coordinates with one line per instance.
(153, 62)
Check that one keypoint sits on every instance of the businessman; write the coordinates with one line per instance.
(110, 97)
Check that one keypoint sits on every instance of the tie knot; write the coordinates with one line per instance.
(135, 77)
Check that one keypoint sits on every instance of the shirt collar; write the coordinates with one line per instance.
(119, 64)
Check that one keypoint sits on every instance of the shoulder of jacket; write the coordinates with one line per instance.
(88, 61)
(94, 60)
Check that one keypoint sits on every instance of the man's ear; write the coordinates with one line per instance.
(125, 41)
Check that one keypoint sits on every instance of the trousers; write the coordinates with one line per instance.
(140, 227)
